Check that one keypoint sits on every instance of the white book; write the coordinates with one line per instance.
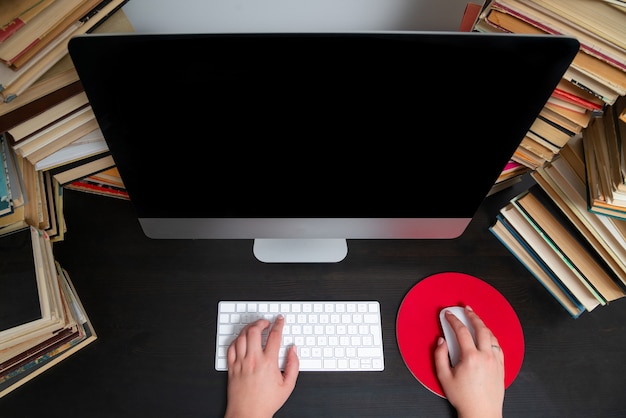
(91, 144)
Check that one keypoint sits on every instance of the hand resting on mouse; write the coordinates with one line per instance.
(475, 386)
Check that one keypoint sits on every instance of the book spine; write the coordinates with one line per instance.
(10, 28)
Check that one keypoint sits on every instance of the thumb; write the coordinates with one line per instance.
(292, 367)
(442, 362)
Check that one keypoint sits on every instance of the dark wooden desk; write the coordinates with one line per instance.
(153, 305)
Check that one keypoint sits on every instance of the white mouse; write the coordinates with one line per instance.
(450, 335)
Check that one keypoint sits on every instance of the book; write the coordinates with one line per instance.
(40, 25)
(36, 268)
(597, 17)
(89, 144)
(561, 184)
(56, 84)
(516, 245)
(557, 117)
(558, 231)
(37, 105)
(592, 83)
(15, 82)
(71, 172)
(570, 120)
(62, 135)
(544, 252)
(553, 133)
(5, 186)
(512, 169)
(14, 14)
(470, 14)
(557, 24)
(88, 185)
(568, 92)
(20, 133)
(540, 146)
(509, 21)
(15, 181)
(27, 357)
(35, 98)
(606, 187)
(63, 29)
(527, 158)
(109, 183)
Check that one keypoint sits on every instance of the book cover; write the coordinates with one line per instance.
(87, 145)
(75, 171)
(5, 186)
(550, 132)
(28, 128)
(39, 105)
(557, 264)
(524, 253)
(566, 240)
(88, 186)
(40, 360)
(16, 182)
(19, 281)
(606, 193)
(597, 230)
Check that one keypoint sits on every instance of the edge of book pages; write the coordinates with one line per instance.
(34, 352)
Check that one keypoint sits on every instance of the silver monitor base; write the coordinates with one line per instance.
(288, 250)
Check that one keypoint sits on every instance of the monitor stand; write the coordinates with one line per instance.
(295, 250)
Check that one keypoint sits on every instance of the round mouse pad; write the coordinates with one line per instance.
(417, 324)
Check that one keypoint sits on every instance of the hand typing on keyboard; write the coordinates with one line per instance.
(256, 386)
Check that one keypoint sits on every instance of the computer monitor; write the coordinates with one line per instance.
(302, 141)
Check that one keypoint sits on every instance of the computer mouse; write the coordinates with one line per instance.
(450, 335)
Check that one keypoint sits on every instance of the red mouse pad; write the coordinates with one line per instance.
(417, 325)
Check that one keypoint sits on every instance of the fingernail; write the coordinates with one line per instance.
(280, 316)
(469, 308)
(440, 341)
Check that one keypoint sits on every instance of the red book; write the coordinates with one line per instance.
(16, 13)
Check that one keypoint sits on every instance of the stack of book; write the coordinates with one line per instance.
(594, 80)
(43, 320)
(50, 137)
(572, 242)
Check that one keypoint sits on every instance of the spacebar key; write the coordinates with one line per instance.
(310, 364)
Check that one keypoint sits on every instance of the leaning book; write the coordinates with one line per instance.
(42, 320)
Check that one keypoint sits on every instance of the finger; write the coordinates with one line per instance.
(442, 362)
(497, 349)
(275, 335)
(463, 334)
(231, 356)
(240, 343)
(484, 336)
(251, 335)
(292, 367)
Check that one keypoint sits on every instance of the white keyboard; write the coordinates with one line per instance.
(328, 335)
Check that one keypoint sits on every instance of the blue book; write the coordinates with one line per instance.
(5, 190)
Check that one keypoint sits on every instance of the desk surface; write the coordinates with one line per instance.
(153, 305)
